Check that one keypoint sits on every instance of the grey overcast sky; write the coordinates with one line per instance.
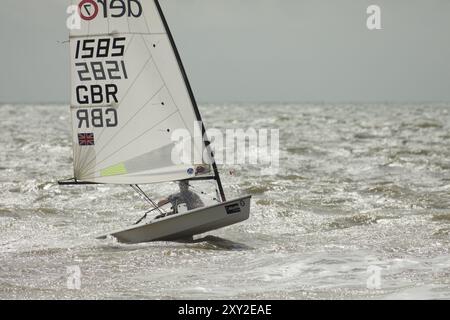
(256, 50)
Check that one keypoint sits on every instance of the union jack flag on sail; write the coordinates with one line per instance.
(86, 139)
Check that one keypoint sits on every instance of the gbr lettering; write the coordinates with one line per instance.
(97, 118)
(97, 94)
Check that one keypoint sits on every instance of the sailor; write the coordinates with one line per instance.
(186, 196)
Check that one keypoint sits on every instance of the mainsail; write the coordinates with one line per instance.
(129, 94)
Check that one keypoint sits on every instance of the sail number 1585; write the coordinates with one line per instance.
(100, 48)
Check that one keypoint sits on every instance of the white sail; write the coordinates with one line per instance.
(129, 94)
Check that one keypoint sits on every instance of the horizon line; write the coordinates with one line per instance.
(263, 102)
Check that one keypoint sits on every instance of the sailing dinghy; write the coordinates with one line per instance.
(130, 92)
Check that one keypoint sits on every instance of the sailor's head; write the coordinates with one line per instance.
(184, 185)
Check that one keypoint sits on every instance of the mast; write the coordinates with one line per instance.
(191, 95)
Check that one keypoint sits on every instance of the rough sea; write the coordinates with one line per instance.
(359, 209)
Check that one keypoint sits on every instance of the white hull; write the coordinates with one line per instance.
(185, 225)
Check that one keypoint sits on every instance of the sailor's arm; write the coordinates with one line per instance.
(163, 202)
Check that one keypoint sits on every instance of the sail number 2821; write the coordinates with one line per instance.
(99, 70)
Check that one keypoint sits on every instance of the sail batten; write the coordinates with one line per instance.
(129, 94)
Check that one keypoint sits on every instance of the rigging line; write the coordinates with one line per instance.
(134, 81)
(170, 115)
(129, 120)
(146, 196)
(140, 194)
(144, 216)
(84, 164)
(146, 213)
(168, 89)
(139, 190)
